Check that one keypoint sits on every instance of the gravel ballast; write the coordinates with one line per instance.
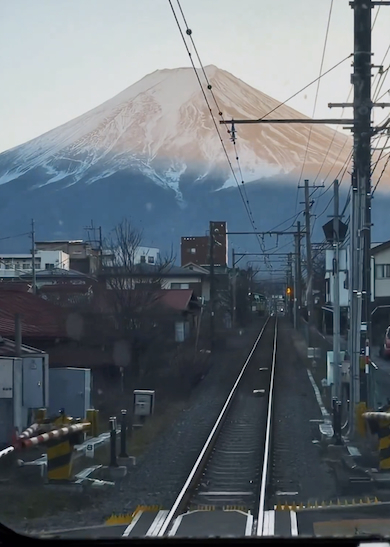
(162, 469)
(297, 469)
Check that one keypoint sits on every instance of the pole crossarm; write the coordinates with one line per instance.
(319, 121)
(271, 233)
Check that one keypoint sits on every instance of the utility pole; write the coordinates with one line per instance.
(34, 275)
(336, 294)
(100, 248)
(289, 283)
(299, 272)
(234, 305)
(212, 288)
(309, 292)
(362, 108)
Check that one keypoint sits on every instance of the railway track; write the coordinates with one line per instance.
(231, 471)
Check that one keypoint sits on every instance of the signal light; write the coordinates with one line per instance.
(288, 290)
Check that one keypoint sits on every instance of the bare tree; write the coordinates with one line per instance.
(131, 293)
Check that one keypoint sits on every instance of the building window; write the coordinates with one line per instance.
(180, 286)
(192, 250)
(150, 259)
(49, 266)
(143, 259)
(27, 266)
(382, 271)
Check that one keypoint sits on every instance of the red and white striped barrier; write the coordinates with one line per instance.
(26, 434)
(6, 451)
(44, 437)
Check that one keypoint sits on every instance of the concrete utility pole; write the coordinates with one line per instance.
(299, 272)
(212, 287)
(295, 301)
(336, 295)
(234, 304)
(362, 107)
(289, 285)
(309, 291)
(34, 275)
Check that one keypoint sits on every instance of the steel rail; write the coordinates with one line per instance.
(267, 445)
(192, 480)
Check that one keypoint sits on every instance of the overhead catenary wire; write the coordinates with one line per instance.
(243, 193)
(317, 90)
(210, 110)
(241, 188)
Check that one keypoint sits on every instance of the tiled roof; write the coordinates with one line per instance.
(176, 299)
(40, 319)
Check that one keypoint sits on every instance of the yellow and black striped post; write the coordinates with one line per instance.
(59, 459)
(60, 452)
(379, 423)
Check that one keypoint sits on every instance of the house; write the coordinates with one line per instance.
(14, 266)
(57, 276)
(190, 276)
(380, 288)
(42, 322)
(146, 255)
(82, 256)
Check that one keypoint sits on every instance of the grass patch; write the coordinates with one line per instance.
(140, 438)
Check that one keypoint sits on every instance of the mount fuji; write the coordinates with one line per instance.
(153, 154)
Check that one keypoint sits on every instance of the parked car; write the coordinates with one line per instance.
(385, 348)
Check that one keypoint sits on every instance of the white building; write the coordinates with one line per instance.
(146, 255)
(12, 265)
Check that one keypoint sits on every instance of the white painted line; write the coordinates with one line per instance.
(260, 517)
(269, 523)
(230, 494)
(249, 525)
(157, 523)
(294, 523)
(317, 393)
(175, 526)
(132, 524)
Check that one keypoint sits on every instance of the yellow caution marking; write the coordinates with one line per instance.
(296, 506)
(119, 519)
(127, 518)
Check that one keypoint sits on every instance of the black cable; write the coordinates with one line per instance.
(209, 87)
(210, 111)
(15, 236)
(381, 175)
(317, 90)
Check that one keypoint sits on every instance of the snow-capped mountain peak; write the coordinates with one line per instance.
(161, 127)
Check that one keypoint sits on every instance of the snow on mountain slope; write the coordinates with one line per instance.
(161, 127)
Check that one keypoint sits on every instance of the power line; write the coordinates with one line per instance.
(15, 236)
(209, 108)
(317, 90)
(242, 189)
(381, 175)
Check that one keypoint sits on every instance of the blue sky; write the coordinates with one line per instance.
(60, 58)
